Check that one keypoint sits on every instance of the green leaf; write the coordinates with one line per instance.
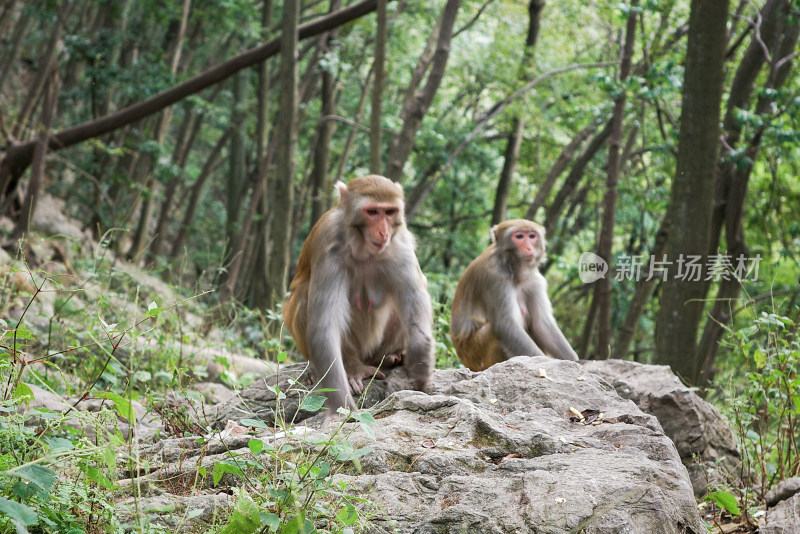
(44, 477)
(153, 310)
(256, 446)
(97, 476)
(313, 403)
(220, 468)
(347, 515)
(23, 332)
(123, 406)
(245, 518)
(725, 500)
(759, 358)
(255, 423)
(23, 392)
(271, 520)
(20, 514)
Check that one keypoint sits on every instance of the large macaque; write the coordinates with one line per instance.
(359, 299)
(501, 308)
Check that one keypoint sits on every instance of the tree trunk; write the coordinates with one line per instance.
(46, 61)
(416, 107)
(517, 132)
(379, 80)
(681, 305)
(284, 185)
(196, 190)
(322, 150)
(257, 287)
(735, 176)
(602, 288)
(40, 156)
(641, 295)
(16, 43)
(510, 160)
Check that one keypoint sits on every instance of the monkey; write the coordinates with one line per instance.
(358, 298)
(500, 307)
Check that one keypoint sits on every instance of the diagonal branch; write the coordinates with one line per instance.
(18, 156)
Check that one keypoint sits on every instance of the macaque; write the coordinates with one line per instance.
(500, 308)
(359, 299)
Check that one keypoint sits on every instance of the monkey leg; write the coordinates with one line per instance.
(480, 349)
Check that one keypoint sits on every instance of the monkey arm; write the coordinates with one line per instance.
(416, 315)
(328, 318)
(508, 325)
(543, 325)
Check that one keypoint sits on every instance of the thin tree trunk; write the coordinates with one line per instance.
(645, 286)
(566, 155)
(322, 150)
(142, 234)
(284, 186)
(517, 131)
(257, 289)
(22, 225)
(379, 80)
(46, 62)
(510, 159)
(691, 200)
(413, 114)
(602, 287)
(16, 43)
(196, 190)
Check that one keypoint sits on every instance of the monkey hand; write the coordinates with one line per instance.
(356, 374)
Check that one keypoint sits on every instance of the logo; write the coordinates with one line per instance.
(591, 267)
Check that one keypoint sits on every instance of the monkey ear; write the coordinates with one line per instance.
(340, 189)
(493, 235)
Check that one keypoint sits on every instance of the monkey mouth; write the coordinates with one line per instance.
(378, 246)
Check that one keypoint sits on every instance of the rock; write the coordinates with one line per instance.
(783, 514)
(177, 512)
(496, 451)
(784, 518)
(49, 218)
(213, 393)
(704, 440)
(785, 489)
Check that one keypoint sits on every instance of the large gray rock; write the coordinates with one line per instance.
(783, 514)
(496, 451)
(703, 438)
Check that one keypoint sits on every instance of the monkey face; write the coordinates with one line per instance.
(379, 224)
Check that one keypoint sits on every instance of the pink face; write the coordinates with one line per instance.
(380, 220)
(526, 241)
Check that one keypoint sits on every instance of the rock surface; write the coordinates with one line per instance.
(703, 438)
(783, 515)
(497, 452)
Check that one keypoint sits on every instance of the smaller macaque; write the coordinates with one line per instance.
(501, 308)
(359, 300)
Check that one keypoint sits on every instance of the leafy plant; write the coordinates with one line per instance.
(766, 408)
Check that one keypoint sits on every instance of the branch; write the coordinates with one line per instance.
(422, 191)
(19, 155)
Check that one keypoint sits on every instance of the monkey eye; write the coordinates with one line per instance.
(391, 211)
(532, 235)
(519, 235)
(372, 211)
